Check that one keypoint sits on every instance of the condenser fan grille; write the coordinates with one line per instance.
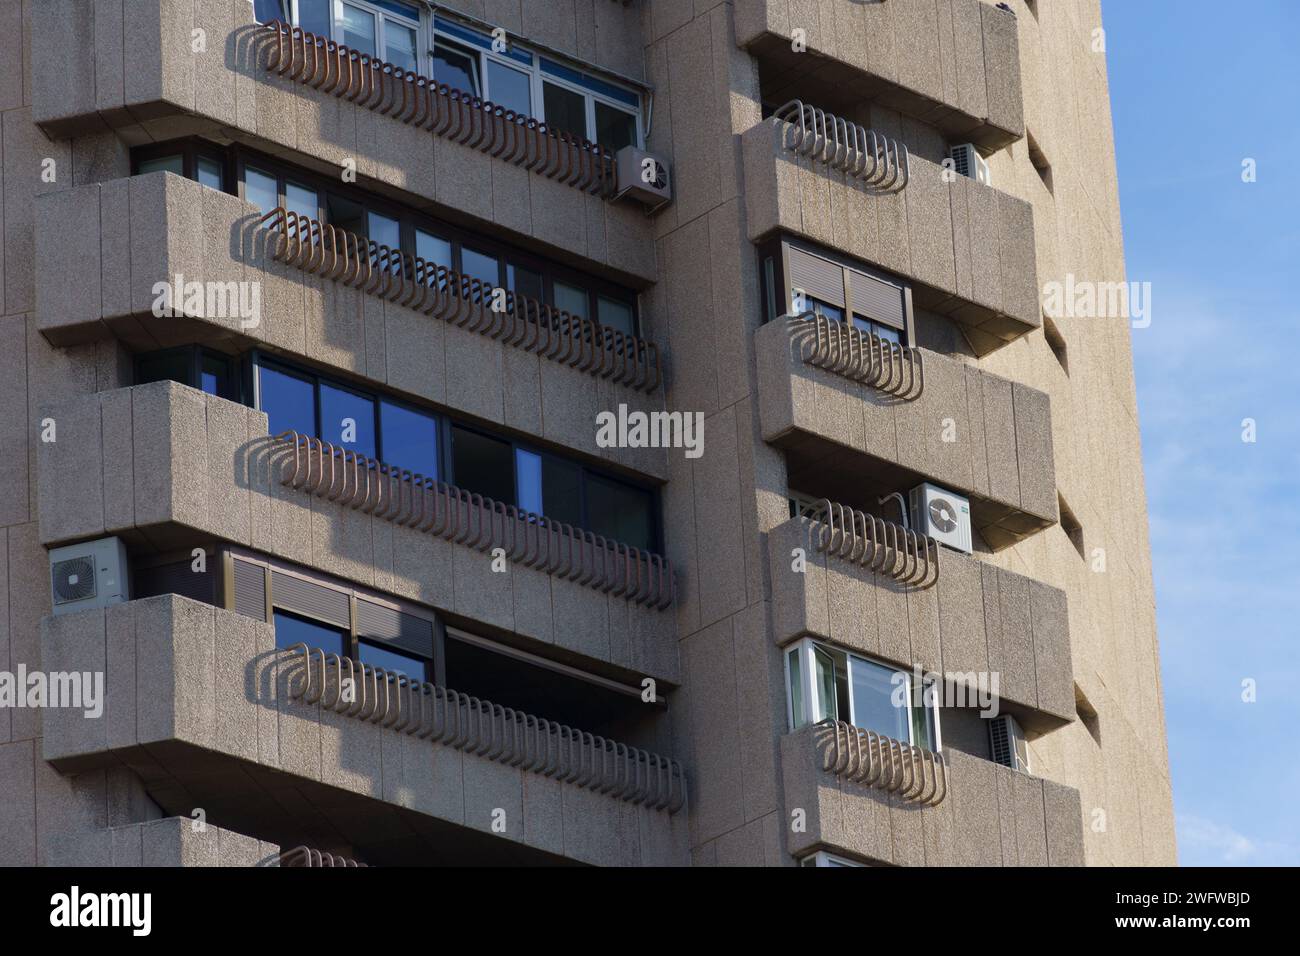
(943, 515)
(74, 580)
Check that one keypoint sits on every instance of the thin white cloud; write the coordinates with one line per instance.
(1203, 842)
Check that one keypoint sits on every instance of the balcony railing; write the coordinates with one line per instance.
(443, 716)
(862, 357)
(432, 507)
(860, 153)
(464, 301)
(304, 856)
(886, 548)
(872, 759)
(445, 111)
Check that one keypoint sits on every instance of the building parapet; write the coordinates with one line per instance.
(445, 111)
(866, 757)
(433, 507)
(440, 715)
(461, 300)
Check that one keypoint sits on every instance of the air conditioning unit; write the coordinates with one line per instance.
(1007, 743)
(643, 176)
(942, 515)
(967, 161)
(88, 575)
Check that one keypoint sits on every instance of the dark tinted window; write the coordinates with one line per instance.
(482, 464)
(561, 490)
(268, 10)
(615, 128)
(172, 366)
(620, 511)
(314, 16)
(377, 655)
(566, 111)
(289, 401)
(216, 376)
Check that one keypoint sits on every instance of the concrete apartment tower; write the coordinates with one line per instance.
(351, 534)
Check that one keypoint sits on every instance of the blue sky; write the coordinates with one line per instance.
(1196, 87)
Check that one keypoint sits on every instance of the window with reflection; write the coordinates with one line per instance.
(827, 683)
(292, 629)
(495, 466)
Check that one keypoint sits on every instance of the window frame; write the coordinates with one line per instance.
(452, 32)
(777, 294)
(190, 149)
(805, 648)
(195, 361)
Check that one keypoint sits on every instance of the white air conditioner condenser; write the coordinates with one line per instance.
(643, 176)
(1007, 744)
(89, 575)
(968, 162)
(942, 515)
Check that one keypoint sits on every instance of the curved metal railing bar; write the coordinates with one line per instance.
(875, 760)
(886, 548)
(860, 153)
(464, 301)
(862, 357)
(472, 725)
(430, 506)
(406, 96)
(305, 856)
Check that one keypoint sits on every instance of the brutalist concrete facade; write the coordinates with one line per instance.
(1033, 420)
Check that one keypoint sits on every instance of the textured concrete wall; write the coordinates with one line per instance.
(969, 246)
(125, 235)
(132, 66)
(1123, 781)
(991, 816)
(164, 465)
(976, 617)
(971, 431)
(184, 680)
(172, 841)
(953, 64)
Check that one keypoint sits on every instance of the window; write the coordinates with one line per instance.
(568, 100)
(474, 460)
(482, 464)
(401, 636)
(192, 158)
(828, 683)
(207, 370)
(799, 278)
(261, 189)
(387, 29)
(291, 629)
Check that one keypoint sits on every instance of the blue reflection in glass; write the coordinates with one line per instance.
(291, 629)
(410, 438)
(347, 419)
(393, 661)
(528, 476)
(288, 401)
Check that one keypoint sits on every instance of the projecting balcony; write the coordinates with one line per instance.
(169, 842)
(886, 802)
(859, 418)
(134, 68)
(871, 587)
(954, 64)
(322, 295)
(204, 708)
(168, 467)
(967, 248)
